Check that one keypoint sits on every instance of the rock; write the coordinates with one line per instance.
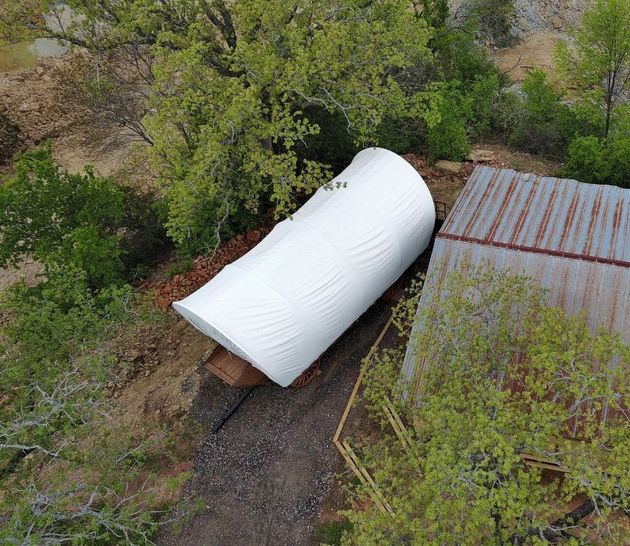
(135, 355)
(452, 166)
(29, 107)
(480, 155)
(253, 236)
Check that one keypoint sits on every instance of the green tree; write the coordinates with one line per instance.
(72, 220)
(232, 82)
(599, 161)
(543, 119)
(448, 138)
(597, 63)
(503, 378)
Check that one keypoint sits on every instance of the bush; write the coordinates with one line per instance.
(458, 57)
(494, 18)
(51, 320)
(9, 138)
(619, 158)
(599, 161)
(542, 117)
(483, 96)
(80, 220)
(331, 533)
(586, 160)
(448, 139)
(401, 136)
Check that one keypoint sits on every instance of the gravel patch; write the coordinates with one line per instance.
(263, 475)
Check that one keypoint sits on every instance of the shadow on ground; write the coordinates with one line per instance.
(263, 475)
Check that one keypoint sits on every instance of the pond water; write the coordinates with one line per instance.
(24, 55)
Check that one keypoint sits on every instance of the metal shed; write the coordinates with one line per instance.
(572, 238)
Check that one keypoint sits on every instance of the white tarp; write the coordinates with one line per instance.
(287, 300)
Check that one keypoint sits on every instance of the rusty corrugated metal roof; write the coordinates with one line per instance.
(572, 238)
(527, 212)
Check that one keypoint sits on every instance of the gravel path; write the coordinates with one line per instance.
(263, 475)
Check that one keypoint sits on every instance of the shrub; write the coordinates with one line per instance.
(586, 160)
(599, 161)
(400, 135)
(448, 139)
(97, 255)
(483, 96)
(9, 138)
(74, 219)
(458, 57)
(53, 319)
(331, 533)
(539, 126)
(507, 114)
(184, 265)
(545, 123)
(619, 158)
(494, 18)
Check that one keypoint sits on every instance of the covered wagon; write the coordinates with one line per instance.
(275, 310)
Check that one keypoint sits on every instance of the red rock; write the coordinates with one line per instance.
(253, 235)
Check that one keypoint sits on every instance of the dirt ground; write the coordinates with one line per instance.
(35, 100)
(263, 476)
(163, 378)
(533, 51)
(28, 271)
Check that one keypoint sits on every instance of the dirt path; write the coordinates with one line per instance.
(262, 477)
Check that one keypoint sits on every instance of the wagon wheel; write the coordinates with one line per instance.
(307, 376)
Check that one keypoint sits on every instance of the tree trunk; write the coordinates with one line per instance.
(554, 531)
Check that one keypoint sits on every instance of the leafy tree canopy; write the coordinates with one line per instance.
(73, 221)
(597, 63)
(505, 378)
(232, 82)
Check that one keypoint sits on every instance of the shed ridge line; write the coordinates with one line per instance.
(535, 250)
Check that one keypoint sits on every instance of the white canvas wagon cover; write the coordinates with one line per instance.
(287, 300)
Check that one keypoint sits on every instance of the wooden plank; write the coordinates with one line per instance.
(359, 474)
(359, 380)
(367, 476)
(344, 448)
(396, 422)
(232, 369)
(533, 460)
